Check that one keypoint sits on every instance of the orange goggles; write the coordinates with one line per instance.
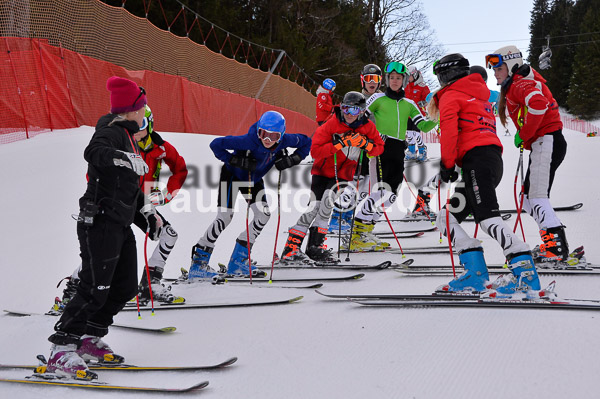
(493, 60)
(371, 78)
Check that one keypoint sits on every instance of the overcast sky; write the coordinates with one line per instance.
(488, 25)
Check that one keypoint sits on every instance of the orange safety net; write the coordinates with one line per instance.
(55, 58)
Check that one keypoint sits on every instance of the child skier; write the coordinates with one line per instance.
(325, 100)
(337, 146)
(534, 111)
(253, 156)
(469, 141)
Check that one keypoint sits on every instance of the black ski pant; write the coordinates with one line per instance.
(482, 170)
(392, 163)
(108, 278)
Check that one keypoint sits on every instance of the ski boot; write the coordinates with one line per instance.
(411, 153)
(292, 253)
(160, 292)
(64, 361)
(422, 156)
(554, 247)
(68, 294)
(474, 278)
(422, 210)
(361, 241)
(380, 245)
(200, 270)
(94, 349)
(316, 248)
(238, 264)
(346, 220)
(523, 282)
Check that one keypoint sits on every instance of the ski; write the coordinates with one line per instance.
(486, 303)
(118, 325)
(437, 297)
(131, 367)
(72, 383)
(433, 217)
(409, 250)
(573, 207)
(398, 234)
(497, 270)
(217, 305)
(385, 231)
(339, 266)
(298, 279)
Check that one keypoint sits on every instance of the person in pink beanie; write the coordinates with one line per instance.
(108, 277)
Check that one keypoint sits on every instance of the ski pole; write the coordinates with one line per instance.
(278, 223)
(337, 183)
(385, 213)
(519, 204)
(148, 274)
(448, 235)
(360, 159)
(439, 192)
(247, 225)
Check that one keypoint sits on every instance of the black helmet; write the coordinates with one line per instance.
(371, 69)
(451, 67)
(354, 98)
(480, 70)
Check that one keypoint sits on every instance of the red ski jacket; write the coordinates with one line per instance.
(324, 104)
(539, 115)
(466, 118)
(163, 151)
(322, 148)
(418, 93)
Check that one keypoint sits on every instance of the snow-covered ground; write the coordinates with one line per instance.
(316, 348)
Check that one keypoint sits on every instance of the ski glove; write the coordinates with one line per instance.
(158, 198)
(287, 161)
(518, 140)
(155, 222)
(130, 160)
(448, 174)
(338, 142)
(243, 162)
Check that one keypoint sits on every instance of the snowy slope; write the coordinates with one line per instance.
(317, 348)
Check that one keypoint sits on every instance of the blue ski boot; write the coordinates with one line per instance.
(475, 276)
(334, 222)
(238, 264)
(523, 279)
(422, 157)
(411, 153)
(199, 269)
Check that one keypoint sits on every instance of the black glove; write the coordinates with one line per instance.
(287, 161)
(243, 162)
(448, 174)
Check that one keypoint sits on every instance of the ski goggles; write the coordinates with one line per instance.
(142, 93)
(144, 124)
(496, 60)
(371, 78)
(350, 109)
(268, 135)
(395, 66)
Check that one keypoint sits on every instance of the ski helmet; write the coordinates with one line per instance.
(480, 70)
(398, 67)
(372, 73)
(329, 84)
(450, 68)
(354, 103)
(148, 124)
(271, 125)
(509, 55)
(414, 72)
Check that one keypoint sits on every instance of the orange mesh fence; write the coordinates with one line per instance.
(56, 56)
(46, 87)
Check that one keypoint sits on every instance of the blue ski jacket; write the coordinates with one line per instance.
(265, 157)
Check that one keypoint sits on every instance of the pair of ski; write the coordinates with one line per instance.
(457, 300)
(40, 377)
(340, 265)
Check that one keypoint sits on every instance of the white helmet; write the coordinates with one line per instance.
(414, 72)
(511, 56)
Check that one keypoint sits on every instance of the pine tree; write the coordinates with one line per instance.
(585, 82)
(538, 30)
